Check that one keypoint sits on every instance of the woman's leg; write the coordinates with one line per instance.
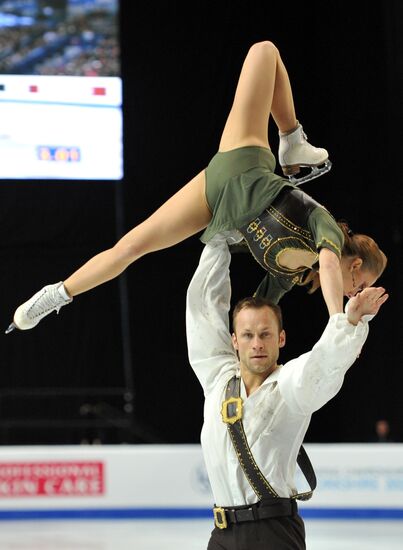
(183, 215)
(263, 89)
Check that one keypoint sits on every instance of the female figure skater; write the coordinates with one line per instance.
(286, 230)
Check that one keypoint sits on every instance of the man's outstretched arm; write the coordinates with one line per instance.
(312, 379)
(208, 298)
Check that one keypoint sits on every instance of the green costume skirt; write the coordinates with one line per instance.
(240, 184)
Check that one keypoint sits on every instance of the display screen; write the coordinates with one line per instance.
(60, 90)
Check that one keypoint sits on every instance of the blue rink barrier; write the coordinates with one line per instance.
(192, 513)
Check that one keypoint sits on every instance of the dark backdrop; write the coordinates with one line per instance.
(102, 373)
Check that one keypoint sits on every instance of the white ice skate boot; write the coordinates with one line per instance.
(50, 298)
(295, 152)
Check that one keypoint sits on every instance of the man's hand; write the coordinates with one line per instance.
(231, 237)
(367, 302)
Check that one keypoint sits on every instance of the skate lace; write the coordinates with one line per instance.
(50, 300)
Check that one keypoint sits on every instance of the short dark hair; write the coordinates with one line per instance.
(257, 302)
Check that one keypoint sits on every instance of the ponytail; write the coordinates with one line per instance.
(357, 245)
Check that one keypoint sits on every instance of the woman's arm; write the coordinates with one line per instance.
(331, 280)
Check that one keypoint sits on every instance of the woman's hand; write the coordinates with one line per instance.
(367, 302)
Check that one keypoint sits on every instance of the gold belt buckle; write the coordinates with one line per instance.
(219, 518)
(238, 410)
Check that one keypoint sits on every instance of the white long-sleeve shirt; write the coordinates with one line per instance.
(277, 415)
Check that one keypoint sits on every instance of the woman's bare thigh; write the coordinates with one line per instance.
(247, 123)
(183, 215)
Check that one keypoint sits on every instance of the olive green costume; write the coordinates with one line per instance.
(272, 214)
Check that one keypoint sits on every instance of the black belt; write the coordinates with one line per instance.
(279, 507)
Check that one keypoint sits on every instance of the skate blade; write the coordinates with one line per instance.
(11, 327)
(316, 172)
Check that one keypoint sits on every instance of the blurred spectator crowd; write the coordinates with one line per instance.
(83, 45)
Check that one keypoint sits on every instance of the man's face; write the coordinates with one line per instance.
(258, 340)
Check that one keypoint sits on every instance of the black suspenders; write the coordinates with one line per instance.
(232, 415)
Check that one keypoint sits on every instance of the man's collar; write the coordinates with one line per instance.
(271, 379)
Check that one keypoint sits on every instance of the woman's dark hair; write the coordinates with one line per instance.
(356, 245)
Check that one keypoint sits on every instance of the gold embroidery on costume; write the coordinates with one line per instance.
(299, 239)
(334, 245)
(288, 223)
(283, 228)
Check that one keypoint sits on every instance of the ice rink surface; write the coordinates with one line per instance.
(183, 535)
